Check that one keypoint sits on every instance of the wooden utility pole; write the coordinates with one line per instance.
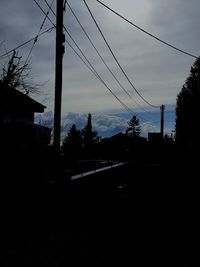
(58, 75)
(162, 108)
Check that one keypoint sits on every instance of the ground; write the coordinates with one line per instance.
(141, 214)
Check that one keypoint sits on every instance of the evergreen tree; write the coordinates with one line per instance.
(188, 108)
(72, 142)
(89, 136)
(134, 129)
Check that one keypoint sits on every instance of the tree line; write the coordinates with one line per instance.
(15, 74)
(85, 141)
(187, 126)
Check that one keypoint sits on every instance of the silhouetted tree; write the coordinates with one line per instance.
(188, 108)
(134, 128)
(72, 142)
(89, 136)
(168, 139)
(16, 75)
(90, 139)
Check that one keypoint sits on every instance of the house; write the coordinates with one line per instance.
(155, 138)
(121, 146)
(17, 119)
(114, 146)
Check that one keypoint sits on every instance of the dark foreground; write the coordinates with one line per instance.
(144, 213)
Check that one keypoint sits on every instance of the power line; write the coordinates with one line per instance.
(88, 65)
(36, 38)
(49, 6)
(94, 71)
(148, 33)
(147, 102)
(97, 51)
(45, 13)
(25, 43)
(99, 77)
(98, 54)
(81, 58)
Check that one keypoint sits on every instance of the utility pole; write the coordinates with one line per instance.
(162, 108)
(58, 75)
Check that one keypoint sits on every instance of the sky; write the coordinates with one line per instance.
(157, 71)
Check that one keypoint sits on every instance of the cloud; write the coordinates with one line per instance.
(157, 71)
(109, 124)
(105, 125)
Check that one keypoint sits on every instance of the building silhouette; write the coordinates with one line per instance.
(17, 119)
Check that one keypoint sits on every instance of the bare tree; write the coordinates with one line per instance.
(16, 75)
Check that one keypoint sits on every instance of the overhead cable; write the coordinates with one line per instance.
(36, 38)
(49, 6)
(98, 76)
(146, 32)
(97, 51)
(147, 102)
(39, 31)
(96, 73)
(45, 13)
(25, 43)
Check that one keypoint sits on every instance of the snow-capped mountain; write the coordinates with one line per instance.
(105, 125)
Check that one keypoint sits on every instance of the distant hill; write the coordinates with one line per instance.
(105, 125)
(108, 125)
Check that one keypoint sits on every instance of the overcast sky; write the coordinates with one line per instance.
(156, 70)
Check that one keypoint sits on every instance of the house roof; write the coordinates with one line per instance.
(14, 100)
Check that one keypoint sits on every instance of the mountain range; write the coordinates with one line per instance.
(107, 125)
(104, 125)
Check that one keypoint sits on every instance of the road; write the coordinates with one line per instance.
(142, 213)
(138, 214)
(133, 189)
